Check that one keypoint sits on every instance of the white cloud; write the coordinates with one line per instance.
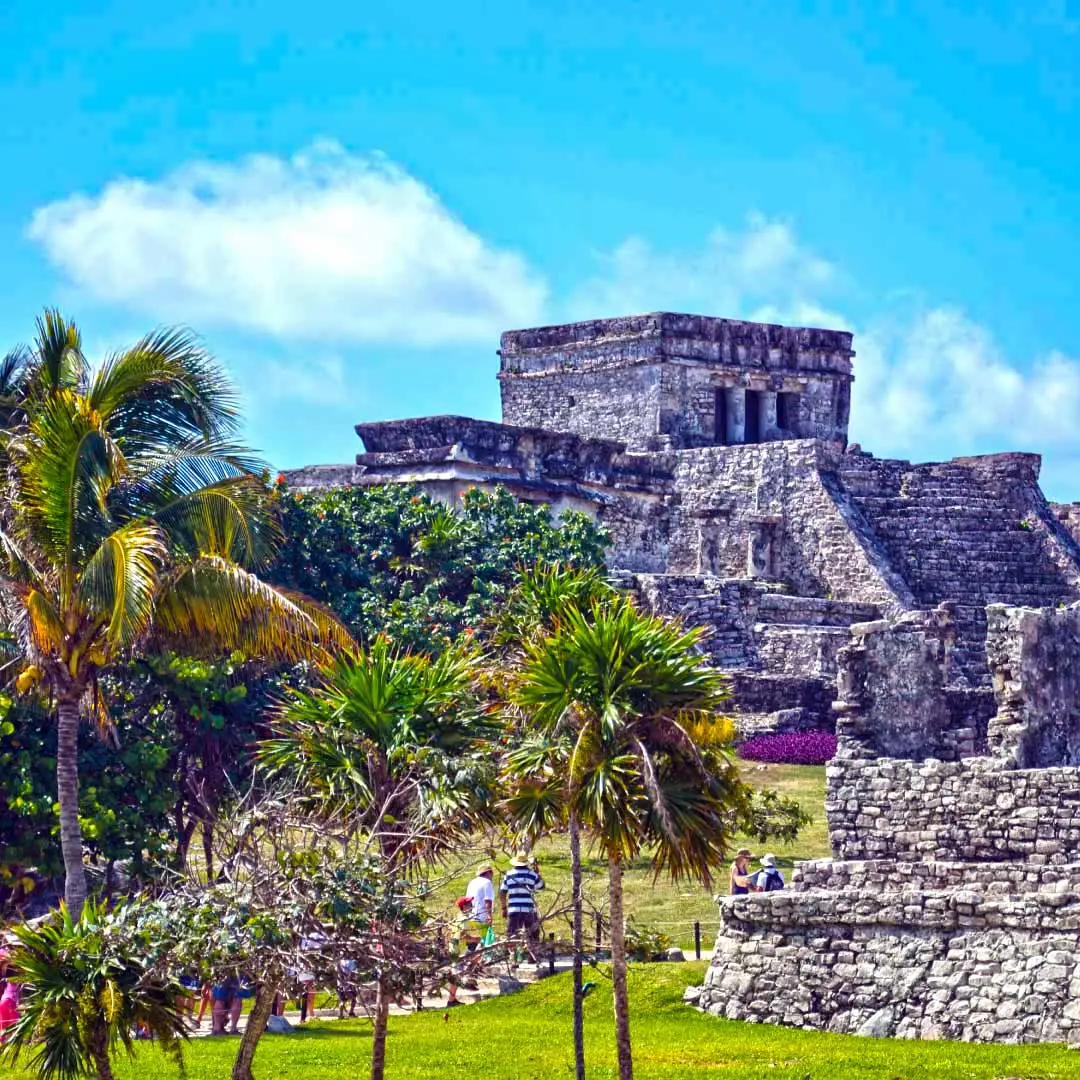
(326, 246)
(761, 267)
(929, 381)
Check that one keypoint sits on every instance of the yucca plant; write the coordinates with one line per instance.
(132, 515)
(626, 739)
(85, 996)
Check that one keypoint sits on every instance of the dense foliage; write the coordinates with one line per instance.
(790, 748)
(124, 801)
(86, 992)
(392, 560)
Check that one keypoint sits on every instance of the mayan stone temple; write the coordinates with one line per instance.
(922, 609)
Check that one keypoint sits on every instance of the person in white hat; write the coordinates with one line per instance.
(518, 896)
(768, 878)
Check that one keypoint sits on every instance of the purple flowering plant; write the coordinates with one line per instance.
(790, 748)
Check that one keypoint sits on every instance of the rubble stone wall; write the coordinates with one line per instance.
(966, 810)
(932, 965)
(881, 875)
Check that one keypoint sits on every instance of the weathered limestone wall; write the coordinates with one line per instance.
(657, 377)
(966, 810)
(768, 510)
(882, 875)
(955, 964)
(618, 403)
(952, 907)
(1033, 655)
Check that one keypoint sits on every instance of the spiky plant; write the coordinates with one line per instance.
(85, 995)
(131, 515)
(398, 741)
(626, 738)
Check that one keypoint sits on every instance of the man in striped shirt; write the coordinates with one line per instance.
(518, 896)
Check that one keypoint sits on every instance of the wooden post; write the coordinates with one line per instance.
(697, 940)
(551, 954)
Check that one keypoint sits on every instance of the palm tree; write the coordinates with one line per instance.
(626, 705)
(536, 795)
(85, 994)
(399, 742)
(132, 515)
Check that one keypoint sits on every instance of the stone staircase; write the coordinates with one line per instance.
(956, 532)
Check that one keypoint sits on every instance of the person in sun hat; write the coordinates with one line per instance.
(741, 878)
(481, 892)
(517, 893)
(768, 878)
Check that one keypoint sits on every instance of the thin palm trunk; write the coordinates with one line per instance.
(579, 1004)
(256, 1024)
(618, 969)
(98, 1045)
(378, 1040)
(67, 787)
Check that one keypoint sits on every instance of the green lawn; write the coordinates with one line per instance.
(528, 1036)
(660, 904)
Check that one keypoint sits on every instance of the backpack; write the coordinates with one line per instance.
(773, 880)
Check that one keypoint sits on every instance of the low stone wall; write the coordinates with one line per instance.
(881, 875)
(936, 965)
(971, 810)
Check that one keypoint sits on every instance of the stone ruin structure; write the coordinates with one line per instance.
(951, 906)
(715, 451)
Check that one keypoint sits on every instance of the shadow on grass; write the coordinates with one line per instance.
(331, 1030)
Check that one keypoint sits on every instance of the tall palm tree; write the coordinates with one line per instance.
(536, 795)
(627, 707)
(131, 515)
(399, 741)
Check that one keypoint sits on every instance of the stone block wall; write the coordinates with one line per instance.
(966, 810)
(955, 964)
(887, 875)
(775, 495)
(1033, 655)
(656, 377)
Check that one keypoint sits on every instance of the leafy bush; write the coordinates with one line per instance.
(86, 991)
(768, 815)
(790, 748)
(393, 560)
(644, 943)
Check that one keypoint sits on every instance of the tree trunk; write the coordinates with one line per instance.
(253, 1030)
(208, 849)
(98, 1047)
(575, 893)
(618, 970)
(378, 1041)
(67, 791)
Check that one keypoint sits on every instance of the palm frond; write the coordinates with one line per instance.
(65, 471)
(165, 389)
(59, 360)
(213, 604)
(120, 580)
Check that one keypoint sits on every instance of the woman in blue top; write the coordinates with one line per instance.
(740, 873)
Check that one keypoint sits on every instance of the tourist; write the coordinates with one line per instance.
(481, 892)
(227, 1007)
(517, 894)
(469, 935)
(740, 873)
(9, 996)
(768, 878)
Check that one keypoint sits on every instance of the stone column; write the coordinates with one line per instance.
(767, 425)
(736, 415)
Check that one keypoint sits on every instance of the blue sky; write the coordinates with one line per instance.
(349, 202)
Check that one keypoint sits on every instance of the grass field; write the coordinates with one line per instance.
(660, 904)
(528, 1036)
